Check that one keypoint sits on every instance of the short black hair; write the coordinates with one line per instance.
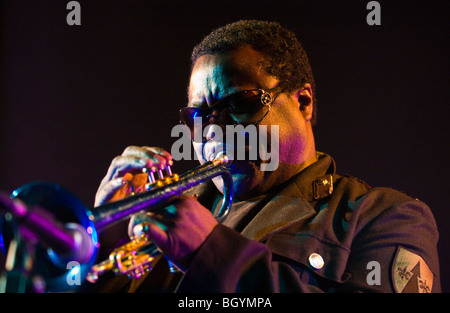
(285, 57)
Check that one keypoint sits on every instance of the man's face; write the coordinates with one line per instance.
(217, 76)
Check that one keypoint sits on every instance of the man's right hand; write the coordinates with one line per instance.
(132, 160)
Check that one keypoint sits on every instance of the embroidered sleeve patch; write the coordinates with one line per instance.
(410, 273)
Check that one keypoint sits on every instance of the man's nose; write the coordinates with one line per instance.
(213, 125)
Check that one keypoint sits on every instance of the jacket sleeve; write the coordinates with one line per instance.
(401, 244)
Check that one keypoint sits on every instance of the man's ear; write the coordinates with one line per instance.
(305, 99)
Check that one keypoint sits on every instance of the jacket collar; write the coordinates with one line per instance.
(293, 203)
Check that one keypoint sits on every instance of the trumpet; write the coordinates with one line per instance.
(133, 258)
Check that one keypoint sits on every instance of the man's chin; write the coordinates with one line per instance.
(247, 186)
(247, 180)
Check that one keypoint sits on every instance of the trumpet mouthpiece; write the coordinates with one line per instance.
(222, 159)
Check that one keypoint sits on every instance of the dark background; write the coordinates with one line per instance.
(73, 97)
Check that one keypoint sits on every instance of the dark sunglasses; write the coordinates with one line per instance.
(238, 108)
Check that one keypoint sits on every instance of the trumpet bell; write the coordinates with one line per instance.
(57, 271)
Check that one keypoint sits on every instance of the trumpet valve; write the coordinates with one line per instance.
(150, 174)
(165, 180)
(168, 168)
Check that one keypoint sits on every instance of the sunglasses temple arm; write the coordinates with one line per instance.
(259, 121)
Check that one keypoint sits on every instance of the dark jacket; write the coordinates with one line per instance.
(305, 239)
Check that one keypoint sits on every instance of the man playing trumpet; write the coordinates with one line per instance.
(298, 228)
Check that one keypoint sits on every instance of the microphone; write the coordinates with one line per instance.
(69, 241)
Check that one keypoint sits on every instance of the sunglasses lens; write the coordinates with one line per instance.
(188, 115)
(244, 104)
(247, 102)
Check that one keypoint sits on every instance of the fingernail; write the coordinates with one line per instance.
(119, 181)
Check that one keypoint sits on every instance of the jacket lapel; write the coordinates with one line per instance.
(284, 210)
(292, 205)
